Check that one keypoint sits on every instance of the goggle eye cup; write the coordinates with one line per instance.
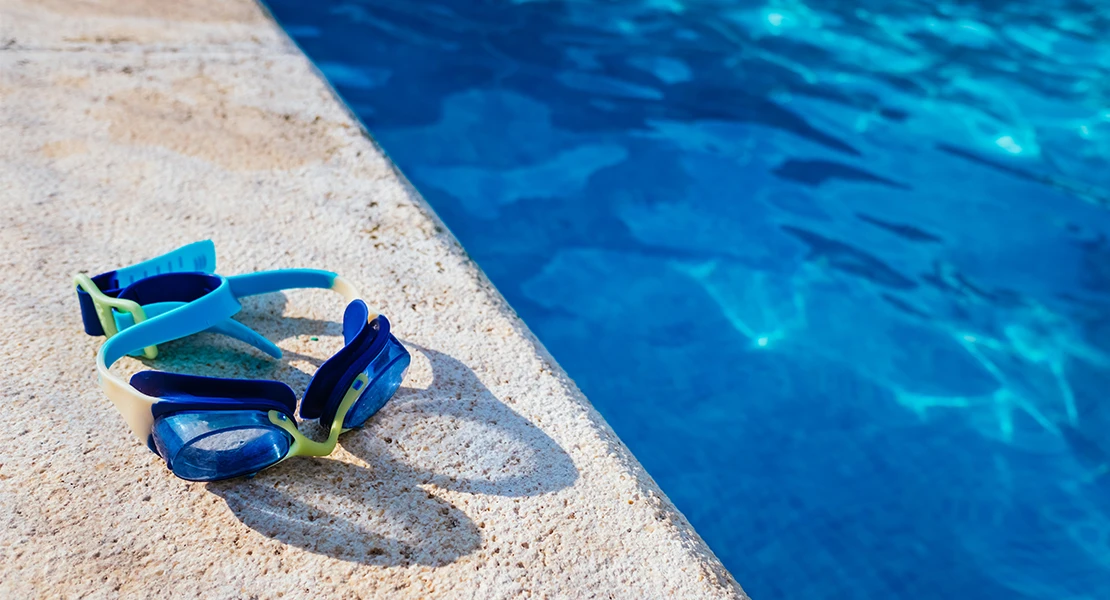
(385, 374)
(213, 445)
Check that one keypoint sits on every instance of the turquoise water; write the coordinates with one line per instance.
(839, 274)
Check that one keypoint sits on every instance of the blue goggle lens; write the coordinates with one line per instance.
(385, 373)
(211, 445)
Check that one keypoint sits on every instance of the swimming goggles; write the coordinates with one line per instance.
(210, 428)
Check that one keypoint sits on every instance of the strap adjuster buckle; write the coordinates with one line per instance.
(105, 304)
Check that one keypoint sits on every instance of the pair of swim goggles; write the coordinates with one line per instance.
(209, 428)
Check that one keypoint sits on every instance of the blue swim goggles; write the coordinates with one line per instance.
(209, 428)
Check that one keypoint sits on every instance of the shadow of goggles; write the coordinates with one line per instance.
(210, 428)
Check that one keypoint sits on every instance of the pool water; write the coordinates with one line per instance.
(839, 275)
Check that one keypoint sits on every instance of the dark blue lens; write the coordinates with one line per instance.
(386, 372)
(211, 445)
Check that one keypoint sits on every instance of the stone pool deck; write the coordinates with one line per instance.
(129, 127)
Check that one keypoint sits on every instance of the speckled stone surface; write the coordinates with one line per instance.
(130, 127)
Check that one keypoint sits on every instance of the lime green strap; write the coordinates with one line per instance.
(104, 305)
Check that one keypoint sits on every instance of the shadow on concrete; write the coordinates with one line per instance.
(425, 448)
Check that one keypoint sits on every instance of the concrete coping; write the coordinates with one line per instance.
(131, 127)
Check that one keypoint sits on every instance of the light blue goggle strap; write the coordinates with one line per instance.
(228, 327)
(211, 310)
(201, 257)
(265, 282)
(195, 257)
(198, 257)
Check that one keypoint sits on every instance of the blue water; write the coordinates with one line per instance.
(839, 275)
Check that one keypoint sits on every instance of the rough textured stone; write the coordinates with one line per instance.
(131, 127)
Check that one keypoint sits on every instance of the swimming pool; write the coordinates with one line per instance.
(839, 276)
